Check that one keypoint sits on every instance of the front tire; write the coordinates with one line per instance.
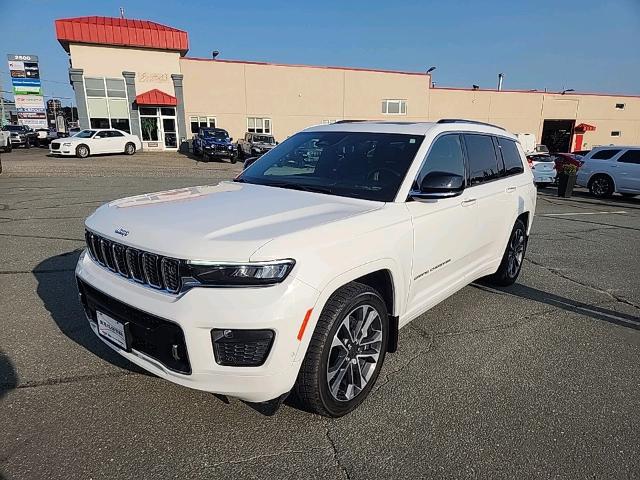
(8, 148)
(511, 263)
(82, 151)
(601, 186)
(129, 148)
(346, 352)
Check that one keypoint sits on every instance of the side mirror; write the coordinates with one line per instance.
(277, 143)
(231, 139)
(437, 185)
(248, 162)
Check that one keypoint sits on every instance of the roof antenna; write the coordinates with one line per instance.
(121, 12)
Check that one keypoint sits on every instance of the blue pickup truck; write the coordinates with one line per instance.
(213, 143)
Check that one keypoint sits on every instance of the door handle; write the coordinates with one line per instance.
(468, 202)
(510, 189)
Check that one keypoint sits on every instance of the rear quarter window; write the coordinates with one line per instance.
(630, 156)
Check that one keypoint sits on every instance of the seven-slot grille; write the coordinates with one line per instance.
(162, 273)
(55, 145)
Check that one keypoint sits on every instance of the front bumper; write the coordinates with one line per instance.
(280, 308)
(219, 152)
(61, 150)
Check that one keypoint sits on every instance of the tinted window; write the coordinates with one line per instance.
(630, 156)
(445, 156)
(510, 156)
(350, 164)
(605, 154)
(483, 163)
(115, 133)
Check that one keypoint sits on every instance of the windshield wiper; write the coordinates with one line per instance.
(300, 186)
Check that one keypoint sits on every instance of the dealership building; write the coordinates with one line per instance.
(136, 75)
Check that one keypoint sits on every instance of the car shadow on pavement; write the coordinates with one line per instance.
(58, 291)
(8, 375)
(592, 311)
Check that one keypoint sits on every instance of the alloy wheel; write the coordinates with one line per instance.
(354, 352)
(600, 186)
(516, 252)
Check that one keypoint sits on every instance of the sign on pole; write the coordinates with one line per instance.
(27, 90)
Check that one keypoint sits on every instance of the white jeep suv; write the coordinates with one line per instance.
(298, 274)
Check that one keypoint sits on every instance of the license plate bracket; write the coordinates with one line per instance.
(113, 330)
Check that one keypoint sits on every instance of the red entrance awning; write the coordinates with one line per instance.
(584, 127)
(156, 97)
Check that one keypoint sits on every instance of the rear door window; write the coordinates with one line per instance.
(510, 156)
(605, 154)
(483, 161)
(630, 156)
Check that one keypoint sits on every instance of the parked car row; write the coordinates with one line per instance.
(213, 143)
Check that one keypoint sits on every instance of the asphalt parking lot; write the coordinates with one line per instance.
(539, 380)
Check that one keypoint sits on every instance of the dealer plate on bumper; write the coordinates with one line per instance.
(112, 330)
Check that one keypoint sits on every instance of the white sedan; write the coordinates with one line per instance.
(94, 141)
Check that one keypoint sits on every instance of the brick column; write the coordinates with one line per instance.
(130, 84)
(75, 77)
(177, 87)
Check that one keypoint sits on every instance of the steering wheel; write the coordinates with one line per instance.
(374, 175)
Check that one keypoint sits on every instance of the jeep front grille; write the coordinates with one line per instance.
(156, 271)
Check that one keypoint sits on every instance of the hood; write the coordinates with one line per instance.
(213, 141)
(225, 222)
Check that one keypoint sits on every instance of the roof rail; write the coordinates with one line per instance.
(462, 120)
(350, 121)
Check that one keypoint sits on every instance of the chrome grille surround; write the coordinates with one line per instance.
(150, 269)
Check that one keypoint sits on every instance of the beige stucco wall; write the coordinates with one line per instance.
(525, 112)
(153, 68)
(294, 97)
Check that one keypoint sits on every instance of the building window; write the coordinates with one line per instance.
(394, 107)
(620, 106)
(616, 133)
(107, 103)
(258, 125)
(201, 122)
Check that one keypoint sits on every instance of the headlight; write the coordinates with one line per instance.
(240, 274)
(68, 144)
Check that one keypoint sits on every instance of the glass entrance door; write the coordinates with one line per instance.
(169, 132)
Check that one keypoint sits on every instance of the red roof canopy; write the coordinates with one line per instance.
(584, 127)
(120, 32)
(156, 97)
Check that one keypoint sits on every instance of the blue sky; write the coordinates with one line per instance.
(591, 45)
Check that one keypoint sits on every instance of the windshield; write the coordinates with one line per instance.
(541, 158)
(13, 128)
(350, 164)
(263, 139)
(85, 134)
(216, 134)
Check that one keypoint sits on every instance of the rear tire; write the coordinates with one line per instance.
(601, 186)
(129, 148)
(82, 151)
(346, 352)
(511, 263)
